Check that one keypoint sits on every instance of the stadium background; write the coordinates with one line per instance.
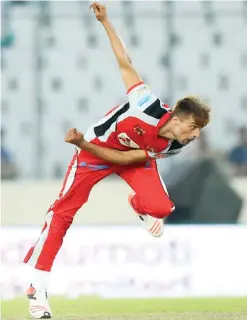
(58, 72)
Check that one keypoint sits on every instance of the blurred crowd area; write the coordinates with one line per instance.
(58, 72)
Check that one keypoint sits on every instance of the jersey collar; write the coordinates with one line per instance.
(163, 120)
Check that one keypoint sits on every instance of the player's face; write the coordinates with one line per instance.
(185, 129)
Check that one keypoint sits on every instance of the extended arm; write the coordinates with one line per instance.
(110, 155)
(129, 74)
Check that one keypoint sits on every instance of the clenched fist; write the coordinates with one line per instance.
(99, 11)
(74, 136)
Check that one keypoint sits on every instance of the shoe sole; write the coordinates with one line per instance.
(45, 316)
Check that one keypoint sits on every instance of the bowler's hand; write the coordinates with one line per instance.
(74, 136)
(99, 11)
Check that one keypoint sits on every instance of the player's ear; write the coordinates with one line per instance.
(175, 119)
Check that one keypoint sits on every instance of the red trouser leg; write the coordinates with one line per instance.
(83, 173)
(151, 194)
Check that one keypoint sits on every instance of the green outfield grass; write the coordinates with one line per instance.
(120, 309)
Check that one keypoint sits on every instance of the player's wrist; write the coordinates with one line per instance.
(81, 143)
(105, 21)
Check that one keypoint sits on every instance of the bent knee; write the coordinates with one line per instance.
(162, 211)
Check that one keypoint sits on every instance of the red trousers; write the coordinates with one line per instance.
(83, 173)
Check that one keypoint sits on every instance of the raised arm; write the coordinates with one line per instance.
(129, 74)
(110, 155)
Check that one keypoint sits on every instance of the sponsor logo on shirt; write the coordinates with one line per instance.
(144, 100)
(93, 166)
(125, 140)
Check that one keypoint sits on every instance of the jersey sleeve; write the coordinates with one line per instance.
(142, 97)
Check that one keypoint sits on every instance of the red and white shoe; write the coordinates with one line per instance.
(154, 226)
(38, 303)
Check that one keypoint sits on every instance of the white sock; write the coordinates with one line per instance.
(40, 279)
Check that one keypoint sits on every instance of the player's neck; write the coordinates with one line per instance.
(166, 132)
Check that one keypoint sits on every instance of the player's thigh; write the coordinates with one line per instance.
(82, 174)
(147, 184)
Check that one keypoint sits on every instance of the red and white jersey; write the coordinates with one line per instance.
(135, 125)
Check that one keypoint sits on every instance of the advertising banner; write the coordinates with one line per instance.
(187, 261)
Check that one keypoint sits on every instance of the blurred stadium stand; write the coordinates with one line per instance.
(58, 72)
(107, 203)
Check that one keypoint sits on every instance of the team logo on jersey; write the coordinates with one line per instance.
(139, 130)
(125, 140)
